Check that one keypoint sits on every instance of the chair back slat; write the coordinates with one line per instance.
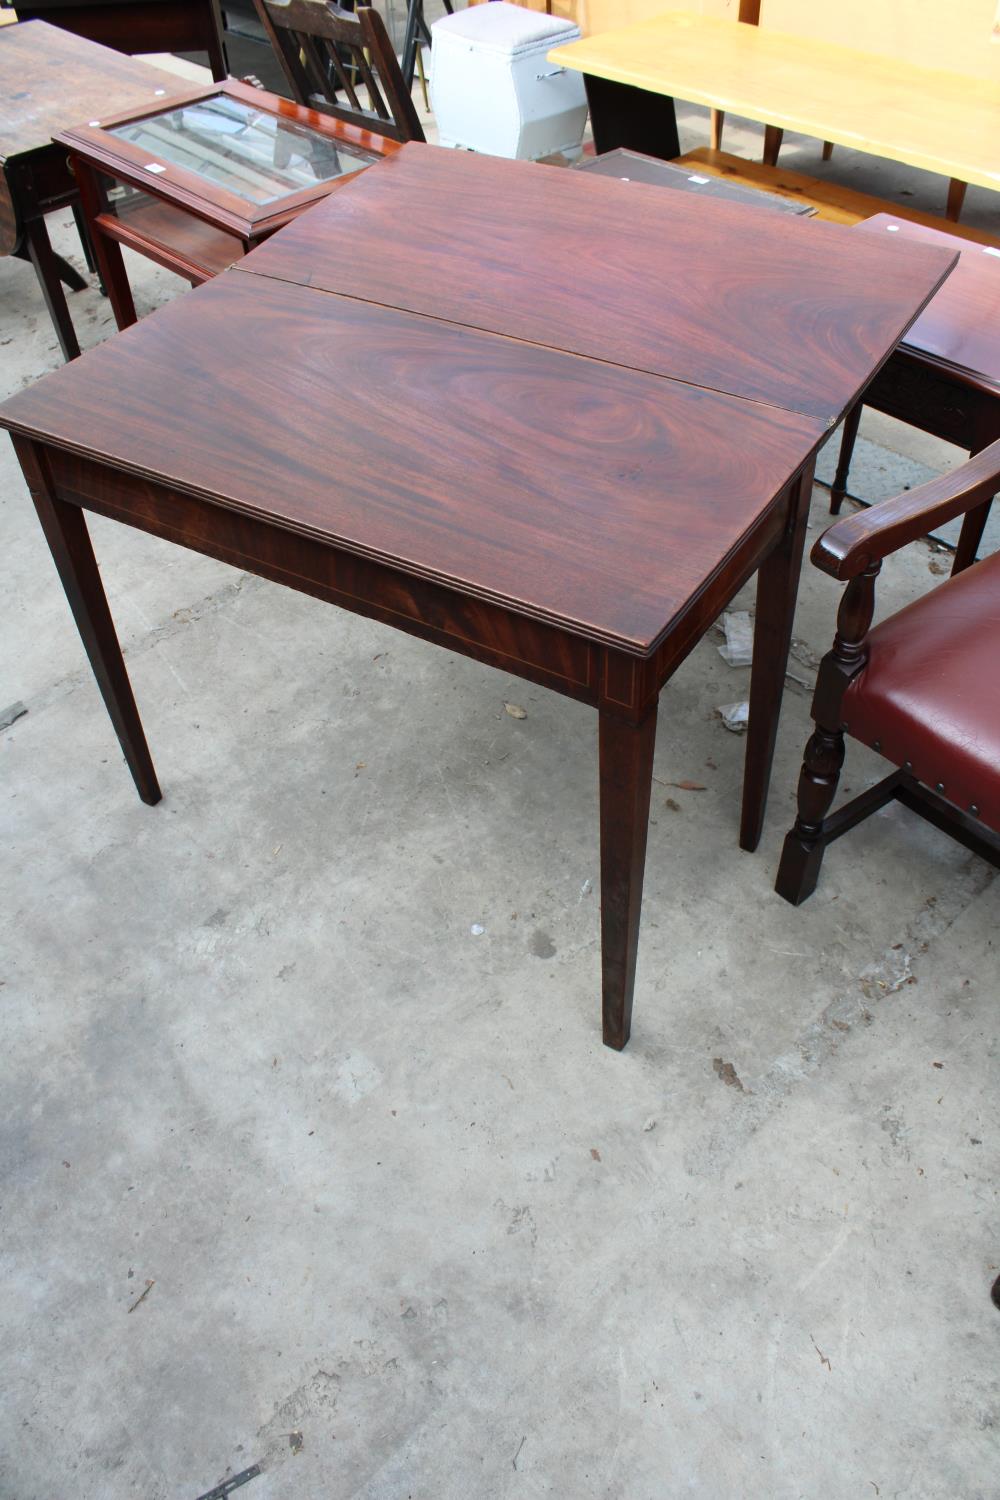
(376, 100)
(315, 60)
(343, 76)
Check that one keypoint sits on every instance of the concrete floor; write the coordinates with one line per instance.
(404, 1227)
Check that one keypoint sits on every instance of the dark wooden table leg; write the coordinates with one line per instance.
(848, 438)
(973, 526)
(777, 590)
(986, 430)
(69, 542)
(621, 115)
(107, 252)
(626, 763)
(85, 245)
(46, 264)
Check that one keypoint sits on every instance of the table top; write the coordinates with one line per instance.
(940, 121)
(737, 299)
(568, 481)
(51, 79)
(960, 327)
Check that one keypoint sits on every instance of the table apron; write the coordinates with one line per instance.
(616, 681)
(737, 569)
(934, 398)
(514, 643)
(41, 181)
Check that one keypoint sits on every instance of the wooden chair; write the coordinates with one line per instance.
(921, 688)
(327, 52)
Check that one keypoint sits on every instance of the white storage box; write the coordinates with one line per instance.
(493, 90)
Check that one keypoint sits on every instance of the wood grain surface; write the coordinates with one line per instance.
(51, 79)
(738, 300)
(960, 327)
(571, 490)
(940, 121)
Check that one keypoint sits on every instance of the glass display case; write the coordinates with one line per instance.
(196, 184)
(242, 148)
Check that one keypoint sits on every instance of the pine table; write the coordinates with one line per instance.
(939, 121)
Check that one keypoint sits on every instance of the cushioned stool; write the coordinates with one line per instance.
(493, 89)
(922, 688)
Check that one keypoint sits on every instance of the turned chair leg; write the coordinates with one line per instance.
(850, 434)
(772, 144)
(827, 150)
(802, 854)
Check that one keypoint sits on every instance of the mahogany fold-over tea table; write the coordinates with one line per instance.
(567, 477)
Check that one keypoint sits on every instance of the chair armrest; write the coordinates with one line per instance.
(853, 544)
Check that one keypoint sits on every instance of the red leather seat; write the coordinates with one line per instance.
(922, 688)
(929, 696)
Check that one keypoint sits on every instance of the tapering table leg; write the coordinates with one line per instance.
(107, 251)
(848, 438)
(986, 430)
(47, 268)
(84, 235)
(777, 589)
(626, 767)
(69, 542)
